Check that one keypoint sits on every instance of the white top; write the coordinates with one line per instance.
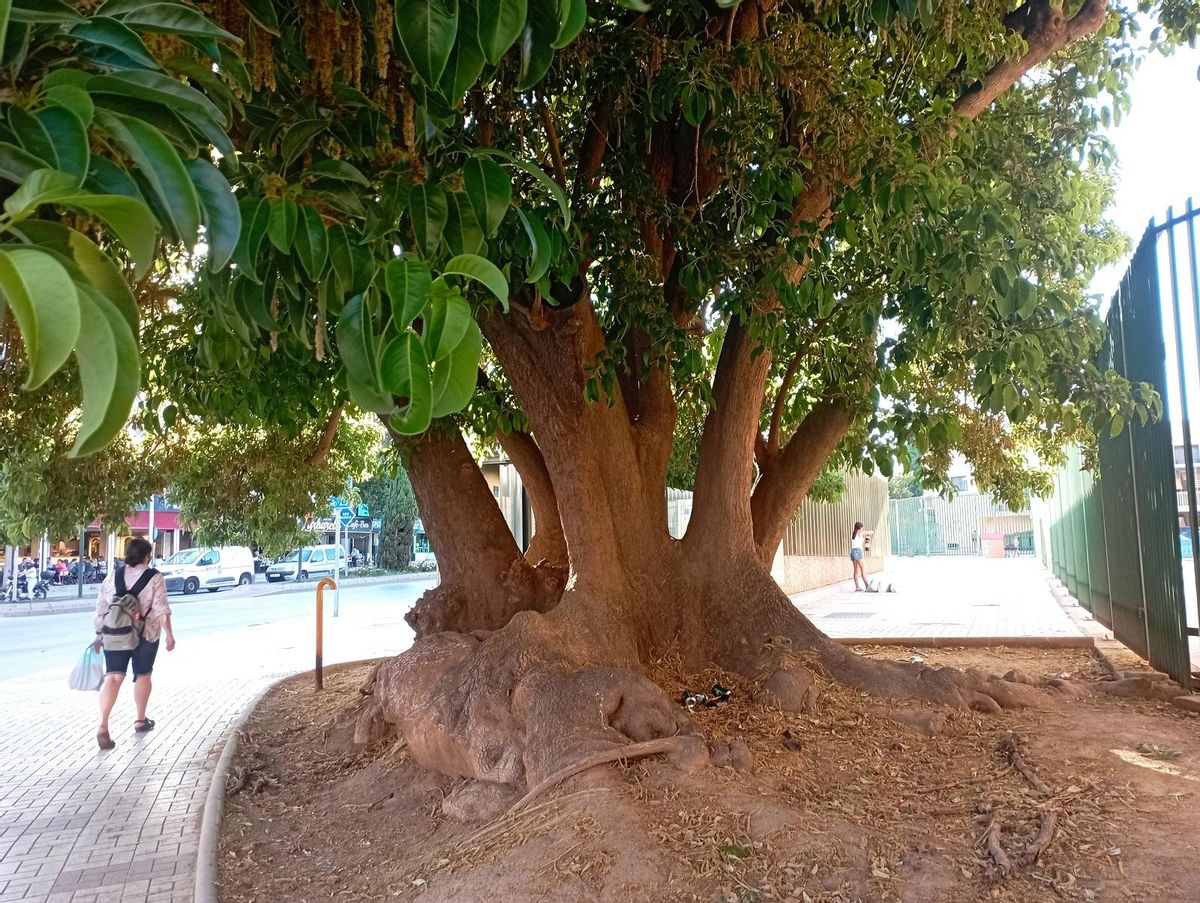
(152, 601)
(857, 541)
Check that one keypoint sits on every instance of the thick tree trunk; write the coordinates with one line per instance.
(485, 578)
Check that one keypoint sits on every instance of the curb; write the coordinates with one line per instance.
(204, 889)
(974, 642)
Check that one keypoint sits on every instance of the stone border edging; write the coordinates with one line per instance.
(204, 889)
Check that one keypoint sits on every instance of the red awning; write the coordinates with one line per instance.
(140, 521)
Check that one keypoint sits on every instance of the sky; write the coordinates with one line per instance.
(1158, 144)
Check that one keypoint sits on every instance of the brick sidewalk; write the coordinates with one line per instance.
(81, 825)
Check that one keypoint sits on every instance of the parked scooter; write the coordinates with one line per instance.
(17, 589)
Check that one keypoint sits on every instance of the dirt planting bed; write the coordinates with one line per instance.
(1089, 798)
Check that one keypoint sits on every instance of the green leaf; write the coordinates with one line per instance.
(247, 252)
(482, 271)
(45, 304)
(539, 174)
(404, 372)
(44, 12)
(32, 135)
(695, 106)
(69, 97)
(129, 219)
(1117, 425)
(537, 52)
(281, 228)
(312, 243)
(222, 216)
(500, 24)
(157, 88)
(107, 355)
(5, 15)
(70, 139)
(255, 301)
(160, 166)
(105, 177)
(105, 32)
(466, 60)
(352, 263)
(456, 375)
(369, 399)
(336, 169)
(489, 190)
(263, 13)
(427, 30)
(572, 16)
(17, 164)
(299, 137)
(407, 281)
(445, 323)
(43, 186)
(85, 262)
(428, 209)
(356, 344)
(462, 233)
(539, 245)
(170, 18)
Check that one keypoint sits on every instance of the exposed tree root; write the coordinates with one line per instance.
(995, 849)
(1010, 749)
(621, 753)
(1041, 840)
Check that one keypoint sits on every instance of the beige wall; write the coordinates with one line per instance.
(816, 549)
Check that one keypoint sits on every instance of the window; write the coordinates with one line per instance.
(318, 556)
(496, 491)
(421, 542)
(960, 483)
(211, 558)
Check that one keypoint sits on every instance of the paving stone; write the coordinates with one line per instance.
(1189, 703)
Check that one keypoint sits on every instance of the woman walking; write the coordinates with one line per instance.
(137, 578)
(857, 545)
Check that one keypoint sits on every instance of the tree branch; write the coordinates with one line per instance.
(547, 543)
(321, 453)
(1046, 30)
(560, 169)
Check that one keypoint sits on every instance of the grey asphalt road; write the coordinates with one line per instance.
(54, 642)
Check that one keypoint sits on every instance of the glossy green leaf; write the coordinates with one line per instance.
(16, 163)
(462, 233)
(428, 209)
(247, 252)
(369, 399)
(264, 15)
(537, 52)
(32, 135)
(466, 60)
(490, 191)
(572, 16)
(107, 355)
(254, 301)
(407, 281)
(299, 137)
(106, 32)
(539, 174)
(45, 304)
(42, 186)
(105, 177)
(171, 18)
(43, 12)
(157, 88)
(404, 373)
(427, 30)
(352, 263)
(539, 245)
(222, 216)
(69, 97)
(500, 24)
(85, 262)
(130, 221)
(356, 343)
(457, 374)
(445, 323)
(70, 140)
(482, 271)
(312, 243)
(281, 228)
(161, 167)
(5, 16)
(339, 170)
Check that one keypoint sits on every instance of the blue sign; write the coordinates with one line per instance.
(336, 502)
(364, 511)
(345, 516)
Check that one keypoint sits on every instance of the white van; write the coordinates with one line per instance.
(210, 568)
(314, 561)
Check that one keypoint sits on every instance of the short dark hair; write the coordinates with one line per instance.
(137, 551)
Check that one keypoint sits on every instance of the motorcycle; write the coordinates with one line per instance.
(18, 589)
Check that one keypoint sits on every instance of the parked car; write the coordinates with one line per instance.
(314, 561)
(210, 568)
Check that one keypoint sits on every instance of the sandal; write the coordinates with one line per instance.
(147, 724)
(104, 740)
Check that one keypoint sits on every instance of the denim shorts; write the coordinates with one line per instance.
(142, 658)
(856, 554)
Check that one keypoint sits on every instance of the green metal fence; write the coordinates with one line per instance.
(931, 525)
(1114, 537)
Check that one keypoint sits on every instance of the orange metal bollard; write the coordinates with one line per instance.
(325, 582)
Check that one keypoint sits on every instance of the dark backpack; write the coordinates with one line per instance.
(121, 629)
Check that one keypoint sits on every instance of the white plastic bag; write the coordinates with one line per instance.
(88, 672)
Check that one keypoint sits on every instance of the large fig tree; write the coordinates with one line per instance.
(824, 231)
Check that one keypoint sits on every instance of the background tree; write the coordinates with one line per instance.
(390, 497)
